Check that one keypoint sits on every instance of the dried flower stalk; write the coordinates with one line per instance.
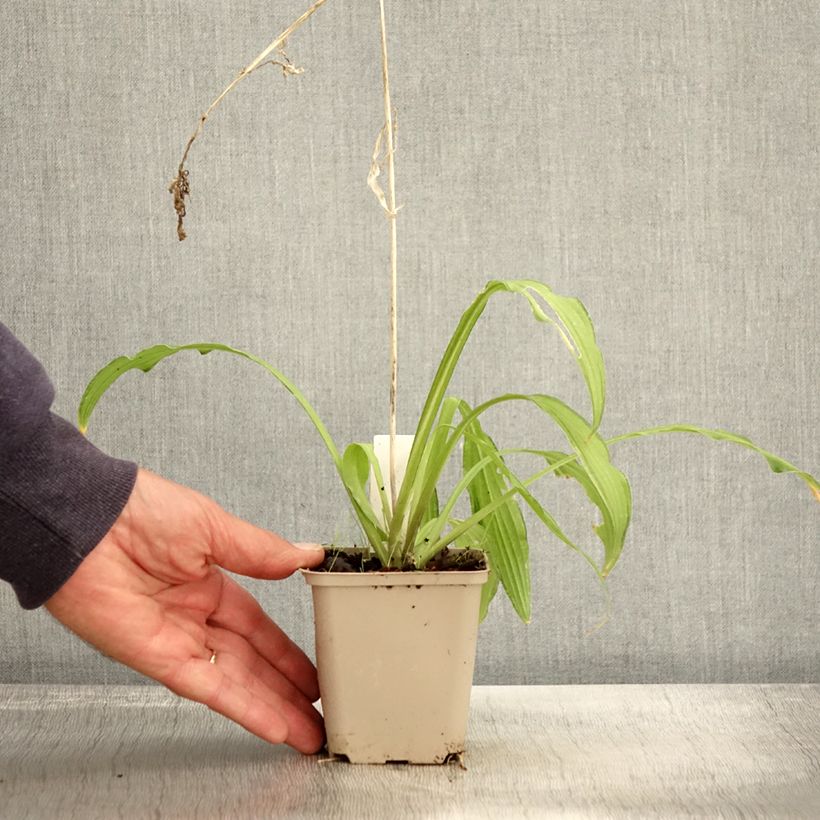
(180, 186)
(388, 203)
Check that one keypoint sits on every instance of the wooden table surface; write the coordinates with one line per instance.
(533, 751)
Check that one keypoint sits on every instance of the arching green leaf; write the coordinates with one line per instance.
(777, 464)
(575, 328)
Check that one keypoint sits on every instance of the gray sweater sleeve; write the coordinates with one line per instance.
(59, 495)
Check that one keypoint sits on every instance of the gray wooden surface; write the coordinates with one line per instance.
(538, 751)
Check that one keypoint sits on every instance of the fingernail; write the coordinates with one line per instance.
(303, 545)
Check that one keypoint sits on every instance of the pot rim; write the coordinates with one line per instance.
(442, 578)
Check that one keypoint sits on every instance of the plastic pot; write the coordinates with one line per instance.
(395, 653)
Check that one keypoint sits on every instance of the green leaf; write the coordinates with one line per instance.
(355, 473)
(538, 509)
(506, 532)
(488, 592)
(777, 464)
(148, 358)
(431, 511)
(606, 486)
(578, 333)
(476, 538)
(575, 327)
(492, 456)
(430, 532)
(377, 477)
(613, 493)
(422, 491)
(434, 457)
(567, 466)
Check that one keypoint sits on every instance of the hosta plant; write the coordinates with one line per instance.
(410, 529)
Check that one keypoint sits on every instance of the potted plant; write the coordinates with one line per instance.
(421, 567)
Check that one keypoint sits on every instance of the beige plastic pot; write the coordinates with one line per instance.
(395, 653)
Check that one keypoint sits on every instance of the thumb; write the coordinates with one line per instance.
(240, 547)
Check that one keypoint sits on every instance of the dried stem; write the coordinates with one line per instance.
(391, 221)
(179, 186)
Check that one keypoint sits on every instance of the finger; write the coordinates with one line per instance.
(224, 641)
(304, 733)
(207, 683)
(240, 547)
(239, 612)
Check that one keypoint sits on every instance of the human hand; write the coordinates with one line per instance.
(151, 595)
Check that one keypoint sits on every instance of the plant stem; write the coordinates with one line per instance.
(249, 69)
(391, 220)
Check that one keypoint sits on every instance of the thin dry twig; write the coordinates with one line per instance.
(286, 64)
(180, 185)
(388, 203)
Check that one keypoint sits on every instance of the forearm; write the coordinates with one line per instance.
(59, 495)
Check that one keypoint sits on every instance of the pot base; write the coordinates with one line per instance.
(431, 759)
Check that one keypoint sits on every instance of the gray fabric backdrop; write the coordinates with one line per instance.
(658, 160)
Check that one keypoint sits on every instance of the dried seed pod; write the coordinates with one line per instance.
(180, 188)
